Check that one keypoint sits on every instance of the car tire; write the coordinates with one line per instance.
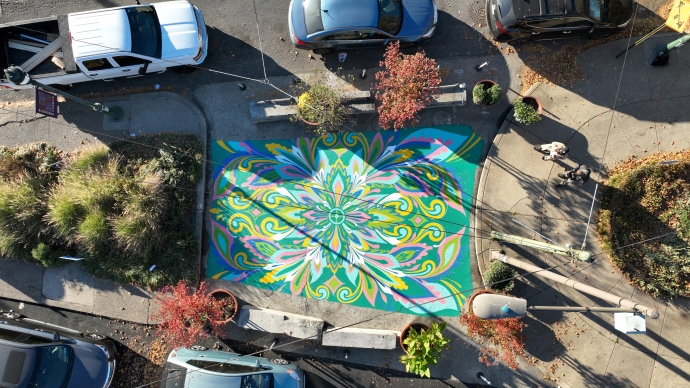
(280, 361)
(10, 315)
(183, 69)
(322, 51)
(198, 348)
(517, 42)
(95, 336)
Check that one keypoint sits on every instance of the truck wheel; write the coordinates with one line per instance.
(183, 69)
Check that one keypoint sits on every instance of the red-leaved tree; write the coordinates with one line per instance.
(189, 316)
(502, 338)
(406, 85)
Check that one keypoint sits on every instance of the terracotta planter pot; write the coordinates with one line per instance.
(225, 294)
(533, 102)
(309, 122)
(486, 83)
(406, 331)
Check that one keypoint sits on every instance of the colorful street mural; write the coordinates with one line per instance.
(373, 219)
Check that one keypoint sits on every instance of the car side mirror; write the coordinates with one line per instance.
(56, 336)
(258, 365)
(143, 69)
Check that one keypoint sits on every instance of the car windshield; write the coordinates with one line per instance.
(390, 16)
(609, 11)
(52, 367)
(312, 16)
(145, 29)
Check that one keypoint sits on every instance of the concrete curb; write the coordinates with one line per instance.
(479, 199)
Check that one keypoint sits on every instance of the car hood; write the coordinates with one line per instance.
(418, 17)
(90, 368)
(179, 29)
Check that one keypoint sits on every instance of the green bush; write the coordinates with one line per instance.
(642, 200)
(497, 272)
(115, 208)
(424, 349)
(486, 96)
(524, 113)
(48, 256)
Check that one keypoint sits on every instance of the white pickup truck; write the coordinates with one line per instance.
(105, 44)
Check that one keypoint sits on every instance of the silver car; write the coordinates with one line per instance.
(198, 367)
(37, 354)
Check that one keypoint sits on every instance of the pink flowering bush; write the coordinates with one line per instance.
(406, 85)
(189, 316)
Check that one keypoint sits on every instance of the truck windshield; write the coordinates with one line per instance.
(146, 37)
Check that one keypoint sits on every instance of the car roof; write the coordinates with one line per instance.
(528, 8)
(349, 13)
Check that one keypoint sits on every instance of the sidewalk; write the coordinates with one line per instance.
(77, 126)
(651, 115)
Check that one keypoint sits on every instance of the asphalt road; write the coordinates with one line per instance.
(134, 342)
(234, 28)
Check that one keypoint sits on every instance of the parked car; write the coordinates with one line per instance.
(198, 367)
(325, 25)
(40, 354)
(517, 21)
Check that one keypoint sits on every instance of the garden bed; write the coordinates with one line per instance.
(644, 199)
(122, 209)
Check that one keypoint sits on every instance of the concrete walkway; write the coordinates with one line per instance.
(651, 115)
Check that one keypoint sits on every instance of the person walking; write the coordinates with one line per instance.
(552, 151)
(580, 174)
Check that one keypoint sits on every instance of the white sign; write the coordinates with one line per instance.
(630, 323)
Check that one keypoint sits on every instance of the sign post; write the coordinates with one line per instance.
(46, 103)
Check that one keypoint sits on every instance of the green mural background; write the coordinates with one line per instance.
(373, 219)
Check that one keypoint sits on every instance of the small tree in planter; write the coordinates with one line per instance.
(190, 316)
(321, 105)
(486, 92)
(502, 338)
(525, 113)
(423, 348)
(407, 84)
(496, 274)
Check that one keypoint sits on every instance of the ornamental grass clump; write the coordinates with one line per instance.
(321, 104)
(424, 348)
(496, 275)
(407, 84)
(525, 113)
(188, 316)
(502, 338)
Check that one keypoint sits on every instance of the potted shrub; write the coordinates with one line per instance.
(502, 338)
(229, 303)
(189, 316)
(486, 92)
(496, 274)
(321, 105)
(527, 110)
(423, 348)
(405, 86)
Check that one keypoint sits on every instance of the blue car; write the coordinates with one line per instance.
(325, 25)
(198, 367)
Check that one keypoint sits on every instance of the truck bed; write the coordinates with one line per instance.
(16, 43)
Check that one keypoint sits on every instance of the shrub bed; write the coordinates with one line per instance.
(644, 199)
(122, 209)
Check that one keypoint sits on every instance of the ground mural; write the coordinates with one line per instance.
(373, 219)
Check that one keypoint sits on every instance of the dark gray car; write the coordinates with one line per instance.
(517, 21)
(325, 25)
(37, 354)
